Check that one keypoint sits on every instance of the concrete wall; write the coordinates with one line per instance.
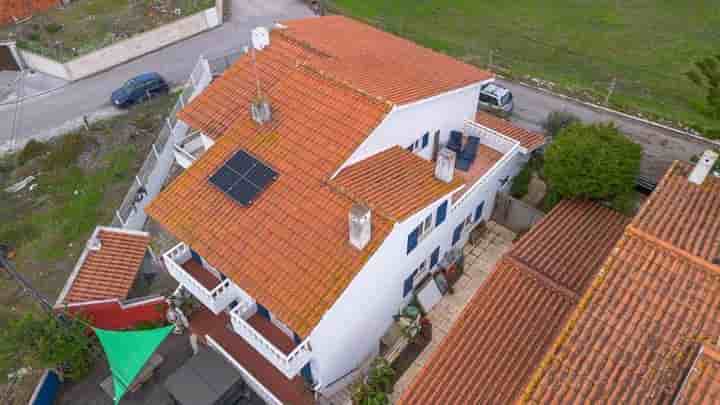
(123, 51)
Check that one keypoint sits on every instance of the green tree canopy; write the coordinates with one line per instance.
(595, 162)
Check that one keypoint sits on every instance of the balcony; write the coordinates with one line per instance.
(199, 280)
(269, 340)
(263, 377)
(189, 149)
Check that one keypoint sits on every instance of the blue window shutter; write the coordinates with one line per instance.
(441, 214)
(413, 240)
(425, 139)
(456, 234)
(410, 148)
(407, 286)
(479, 211)
(435, 257)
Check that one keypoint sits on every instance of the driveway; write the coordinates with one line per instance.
(660, 146)
(48, 115)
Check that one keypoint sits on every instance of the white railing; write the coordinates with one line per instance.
(217, 299)
(186, 149)
(490, 137)
(289, 364)
(249, 379)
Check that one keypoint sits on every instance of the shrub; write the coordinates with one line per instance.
(18, 233)
(594, 162)
(556, 121)
(31, 150)
(34, 36)
(53, 28)
(521, 182)
(66, 152)
(377, 385)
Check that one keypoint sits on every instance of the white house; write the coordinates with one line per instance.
(325, 189)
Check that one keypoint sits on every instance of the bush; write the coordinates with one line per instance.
(65, 153)
(556, 121)
(31, 150)
(377, 385)
(521, 182)
(34, 36)
(53, 28)
(594, 162)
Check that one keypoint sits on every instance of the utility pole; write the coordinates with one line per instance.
(21, 280)
(611, 90)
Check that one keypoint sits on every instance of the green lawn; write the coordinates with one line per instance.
(87, 25)
(579, 45)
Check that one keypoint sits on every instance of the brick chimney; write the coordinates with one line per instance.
(703, 167)
(360, 226)
(445, 165)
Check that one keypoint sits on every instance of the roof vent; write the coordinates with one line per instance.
(94, 243)
(360, 226)
(703, 167)
(260, 38)
(445, 165)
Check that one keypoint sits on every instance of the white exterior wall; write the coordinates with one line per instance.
(407, 123)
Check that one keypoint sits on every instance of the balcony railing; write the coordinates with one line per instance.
(216, 299)
(289, 364)
(189, 149)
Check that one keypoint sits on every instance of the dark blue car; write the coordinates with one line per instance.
(139, 88)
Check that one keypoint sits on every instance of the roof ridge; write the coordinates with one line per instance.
(345, 193)
(547, 281)
(305, 44)
(697, 260)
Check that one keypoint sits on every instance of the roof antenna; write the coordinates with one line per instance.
(260, 106)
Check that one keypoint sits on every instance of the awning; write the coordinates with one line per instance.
(127, 352)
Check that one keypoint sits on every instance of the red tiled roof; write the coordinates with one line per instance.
(290, 250)
(634, 334)
(702, 386)
(528, 139)
(493, 347)
(22, 8)
(376, 63)
(108, 272)
(395, 182)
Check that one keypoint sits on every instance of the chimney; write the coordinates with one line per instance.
(94, 244)
(703, 167)
(360, 226)
(260, 38)
(445, 165)
(260, 110)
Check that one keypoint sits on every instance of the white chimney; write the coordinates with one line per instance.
(703, 167)
(260, 110)
(260, 38)
(445, 165)
(94, 244)
(360, 226)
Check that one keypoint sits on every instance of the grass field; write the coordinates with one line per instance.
(87, 25)
(580, 46)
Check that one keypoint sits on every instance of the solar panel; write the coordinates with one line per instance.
(243, 177)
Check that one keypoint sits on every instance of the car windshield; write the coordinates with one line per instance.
(130, 84)
(488, 99)
(507, 99)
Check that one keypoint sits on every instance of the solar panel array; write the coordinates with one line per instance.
(243, 177)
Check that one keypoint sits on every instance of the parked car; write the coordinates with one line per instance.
(495, 97)
(139, 88)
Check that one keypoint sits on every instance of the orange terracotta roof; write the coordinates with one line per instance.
(702, 386)
(110, 271)
(22, 8)
(369, 60)
(634, 334)
(528, 139)
(290, 250)
(501, 336)
(394, 182)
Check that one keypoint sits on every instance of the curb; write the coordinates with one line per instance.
(615, 112)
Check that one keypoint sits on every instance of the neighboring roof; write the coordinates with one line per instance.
(503, 332)
(395, 182)
(22, 8)
(635, 333)
(290, 250)
(373, 62)
(528, 139)
(702, 385)
(108, 272)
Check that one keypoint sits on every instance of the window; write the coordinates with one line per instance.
(479, 211)
(408, 285)
(434, 257)
(507, 98)
(426, 139)
(456, 234)
(488, 99)
(410, 148)
(468, 220)
(413, 240)
(441, 213)
(419, 273)
(417, 143)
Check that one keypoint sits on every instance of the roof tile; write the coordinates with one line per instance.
(528, 139)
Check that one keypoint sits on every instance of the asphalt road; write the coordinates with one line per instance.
(47, 115)
(660, 147)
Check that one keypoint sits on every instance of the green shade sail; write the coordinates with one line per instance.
(127, 352)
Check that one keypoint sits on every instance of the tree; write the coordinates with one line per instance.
(46, 342)
(706, 74)
(594, 162)
(556, 121)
